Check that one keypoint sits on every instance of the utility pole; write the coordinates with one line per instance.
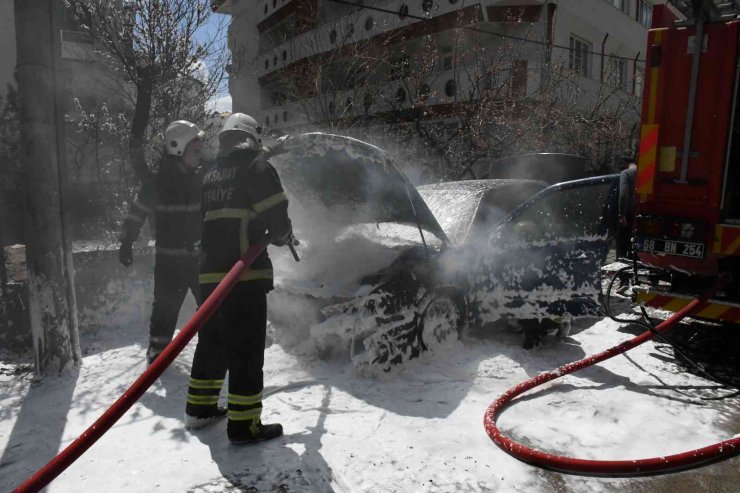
(52, 305)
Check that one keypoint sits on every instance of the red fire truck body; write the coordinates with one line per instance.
(687, 222)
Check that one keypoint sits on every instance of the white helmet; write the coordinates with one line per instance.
(179, 134)
(239, 122)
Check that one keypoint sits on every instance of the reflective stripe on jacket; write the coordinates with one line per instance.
(171, 199)
(243, 202)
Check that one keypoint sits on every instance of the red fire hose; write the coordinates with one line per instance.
(74, 450)
(639, 467)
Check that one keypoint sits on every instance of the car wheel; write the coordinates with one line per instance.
(442, 320)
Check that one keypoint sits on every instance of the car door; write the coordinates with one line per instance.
(544, 258)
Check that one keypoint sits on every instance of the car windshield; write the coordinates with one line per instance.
(454, 209)
(475, 205)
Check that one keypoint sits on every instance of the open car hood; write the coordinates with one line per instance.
(349, 181)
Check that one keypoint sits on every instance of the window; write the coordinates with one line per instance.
(333, 36)
(403, 11)
(450, 88)
(623, 5)
(446, 57)
(618, 73)
(580, 52)
(369, 23)
(638, 83)
(426, 5)
(401, 95)
(518, 78)
(644, 13)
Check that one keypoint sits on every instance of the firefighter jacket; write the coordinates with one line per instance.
(171, 199)
(243, 203)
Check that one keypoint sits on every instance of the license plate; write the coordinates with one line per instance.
(682, 248)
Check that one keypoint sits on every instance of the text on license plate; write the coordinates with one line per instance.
(682, 248)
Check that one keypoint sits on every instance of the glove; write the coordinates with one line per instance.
(284, 239)
(280, 241)
(125, 254)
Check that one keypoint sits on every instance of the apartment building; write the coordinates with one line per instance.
(273, 42)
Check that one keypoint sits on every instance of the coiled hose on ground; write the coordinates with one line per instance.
(608, 468)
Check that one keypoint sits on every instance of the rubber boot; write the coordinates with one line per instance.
(196, 422)
(256, 432)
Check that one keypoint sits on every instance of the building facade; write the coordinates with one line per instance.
(276, 42)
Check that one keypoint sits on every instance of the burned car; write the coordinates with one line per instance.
(391, 270)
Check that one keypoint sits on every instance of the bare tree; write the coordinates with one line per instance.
(462, 95)
(156, 46)
(479, 99)
(97, 145)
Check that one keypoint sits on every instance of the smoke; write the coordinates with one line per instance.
(351, 213)
(542, 263)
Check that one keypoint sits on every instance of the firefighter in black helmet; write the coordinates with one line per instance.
(171, 198)
(243, 203)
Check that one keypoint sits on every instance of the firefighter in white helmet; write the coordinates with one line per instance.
(171, 198)
(243, 203)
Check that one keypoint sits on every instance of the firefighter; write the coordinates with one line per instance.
(626, 209)
(243, 203)
(171, 198)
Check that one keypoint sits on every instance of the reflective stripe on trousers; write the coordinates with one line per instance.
(204, 393)
(245, 407)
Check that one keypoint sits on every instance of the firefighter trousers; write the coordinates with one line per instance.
(624, 238)
(234, 340)
(173, 276)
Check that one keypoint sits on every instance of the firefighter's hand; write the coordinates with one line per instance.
(293, 240)
(125, 254)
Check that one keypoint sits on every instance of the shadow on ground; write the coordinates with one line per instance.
(290, 463)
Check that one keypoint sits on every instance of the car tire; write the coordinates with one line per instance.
(442, 319)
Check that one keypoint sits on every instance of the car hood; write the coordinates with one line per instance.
(349, 181)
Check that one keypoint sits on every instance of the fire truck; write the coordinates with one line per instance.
(687, 218)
